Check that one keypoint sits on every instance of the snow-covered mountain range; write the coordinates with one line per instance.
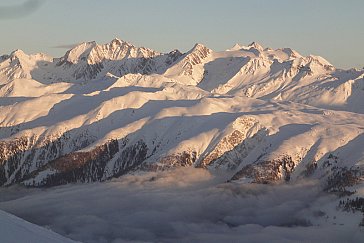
(102, 111)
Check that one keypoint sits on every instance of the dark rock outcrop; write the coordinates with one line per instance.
(85, 166)
(268, 171)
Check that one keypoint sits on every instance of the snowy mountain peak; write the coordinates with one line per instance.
(199, 47)
(117, 41)
(313, 64)
(117, 50)
(290, 52)
(255, 45)
(236, 47)
(18, 56)
(197, 53)
(18, 53)
(79, 52)
(320, 60)
(175, 51)
(187, 67)
(93, 53)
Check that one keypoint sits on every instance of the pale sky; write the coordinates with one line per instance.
(333, 29)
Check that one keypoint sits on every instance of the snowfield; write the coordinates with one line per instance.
(247, 120)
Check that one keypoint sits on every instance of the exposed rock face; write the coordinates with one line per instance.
(231, 159)
(22, 156)
(89, 166)
(197, 54)
(130, 157)
(194, 57)
(227, 144)
(268, 171)
(55, 164)
(11, 153)
(77, 166)
(341, 178)
(242, 128)
(173, 56)
(182, 159)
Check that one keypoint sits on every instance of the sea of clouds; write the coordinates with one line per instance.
(183, 205)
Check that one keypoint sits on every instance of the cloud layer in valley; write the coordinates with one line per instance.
(187, 205)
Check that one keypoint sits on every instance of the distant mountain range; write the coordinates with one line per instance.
(102, 111)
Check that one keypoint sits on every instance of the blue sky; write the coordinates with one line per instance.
(333, 29)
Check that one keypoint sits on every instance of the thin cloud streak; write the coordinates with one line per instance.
(20, 10)
(65, 46)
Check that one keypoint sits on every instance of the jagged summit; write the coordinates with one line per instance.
(18, 53)
(22, 56)
(79, 52)
(198, 47)
(188, 68)
(320, 60)
(236, 47)
(117, 41)
(93, 53)
(255, 45)
(290, 52)
(90, 60)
